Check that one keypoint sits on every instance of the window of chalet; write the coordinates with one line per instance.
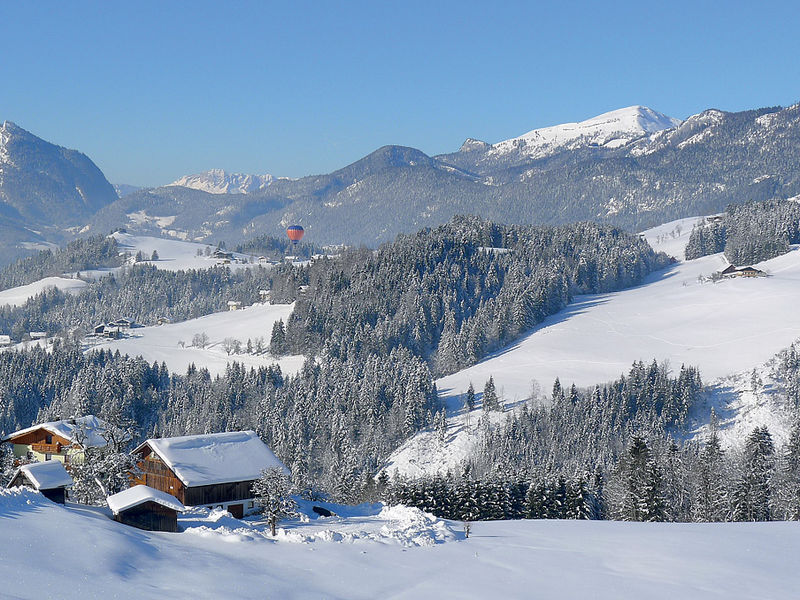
(48, 439)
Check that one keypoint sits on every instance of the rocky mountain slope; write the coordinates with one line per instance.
(44, 190)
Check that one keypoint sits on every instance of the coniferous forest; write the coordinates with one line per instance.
(377, 327)
(748, 233)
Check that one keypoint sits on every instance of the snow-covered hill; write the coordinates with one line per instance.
(172, 343)
(218, 181)
(175, 255)
(611, 130)
(18, 296)
(726, 329)
(387, 553)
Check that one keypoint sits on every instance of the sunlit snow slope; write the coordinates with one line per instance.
(161, 343)
(174, 255)
(720, 327)
(727, 329)
(18, 296)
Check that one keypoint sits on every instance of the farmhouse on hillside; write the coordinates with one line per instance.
(63, 440)
(731, 271)
(211, 470)
(49, 478)
(143, 507)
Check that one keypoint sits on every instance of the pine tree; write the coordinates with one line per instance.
(490, 399)
(638, 481)
(752, 499)
(711, 495)
(277, 342)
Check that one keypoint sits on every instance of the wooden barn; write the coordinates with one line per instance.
(64, 440)
(212, 470)
(143, 507)
(49, 478)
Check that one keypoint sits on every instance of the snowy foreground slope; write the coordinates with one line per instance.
(76, 552)
(162, 343)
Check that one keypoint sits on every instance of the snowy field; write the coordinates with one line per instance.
(161, 343)
(18, 296)
(722, 328)
(176, 255)
(69, 552)
(727, 329)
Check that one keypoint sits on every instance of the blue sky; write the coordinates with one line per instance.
(151, 90)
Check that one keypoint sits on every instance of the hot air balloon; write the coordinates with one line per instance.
(295, 233)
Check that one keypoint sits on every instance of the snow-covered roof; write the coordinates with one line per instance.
(139, 494)
(46, 475)
(93, 427)
(215, 457)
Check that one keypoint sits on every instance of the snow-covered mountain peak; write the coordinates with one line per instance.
(219, 181)
(611, 130)
(471, 144)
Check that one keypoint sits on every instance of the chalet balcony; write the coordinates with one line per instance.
(54, 448)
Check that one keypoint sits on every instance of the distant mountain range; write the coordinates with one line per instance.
(634, 167)
(217, 181)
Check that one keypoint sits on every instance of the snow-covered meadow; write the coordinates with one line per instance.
(17, 296)
(374, 552)
(176, 255)
(172, 343)
(173, 255)
(677, 315)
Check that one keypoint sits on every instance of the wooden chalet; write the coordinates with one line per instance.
(64, 441)
(211, 470)
(146, 508)
(731, 271)
(234, 305)
(49, 478)
(222, 255)
(750, 272)
(122, 323)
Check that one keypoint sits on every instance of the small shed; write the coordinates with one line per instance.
(146, 508)
(5, 340)
(234, 305)
(49, 478)
(37, 335)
